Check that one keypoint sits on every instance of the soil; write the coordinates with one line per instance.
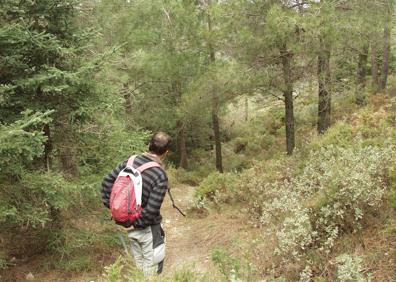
(191, 239)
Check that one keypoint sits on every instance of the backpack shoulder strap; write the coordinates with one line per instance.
(147, 166)
(131, 160)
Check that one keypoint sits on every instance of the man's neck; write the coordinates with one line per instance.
(154, 157)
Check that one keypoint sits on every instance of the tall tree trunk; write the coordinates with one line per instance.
(361, 76)
(47, 147)
(68, 164)
(288, 96)
(246, 108)
(300, 6)
(374, 65)
(216, 131)
(176, 88)
(324, 103)
(181, 142)
(385, 58)
(215, 105)
(126, 94)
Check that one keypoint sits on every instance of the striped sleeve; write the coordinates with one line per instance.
(152, 209)
(108, 181)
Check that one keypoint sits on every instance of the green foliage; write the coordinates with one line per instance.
(78, 263)
(3, 261)
(64, 122)
(349, 268)
(228, 265)
(186, 275)
(28, 197)
(216, 188)
(189, 177)
(76, 249)
(194, 176)
(309, 200)
(68, 241)
(391, 195)
(21, 142)
(232, 268)
(114, 272)
(117, 145)
(340, 135)
(123, 269)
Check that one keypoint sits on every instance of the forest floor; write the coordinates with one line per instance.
(190, 242)
(191, 239)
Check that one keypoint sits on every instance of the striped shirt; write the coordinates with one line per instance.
(155, 185)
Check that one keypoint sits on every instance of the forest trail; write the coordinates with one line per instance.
(190, 240)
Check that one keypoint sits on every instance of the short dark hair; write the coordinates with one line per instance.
(160, 143)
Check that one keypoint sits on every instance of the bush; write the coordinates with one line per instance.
(194, 178)
(391, 195)
(74, 249)
(349, 268)
(28, 198)
(216, 188)
(228, 265)
(335, 190)
(340, 135)
(232, 268)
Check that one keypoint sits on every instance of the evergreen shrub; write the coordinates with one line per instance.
(335, 190)
(350, 268)
(216, 188)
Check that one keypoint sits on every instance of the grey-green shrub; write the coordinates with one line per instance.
(332, 194)
(349, 268)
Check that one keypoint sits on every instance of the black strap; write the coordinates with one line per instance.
(173, 203)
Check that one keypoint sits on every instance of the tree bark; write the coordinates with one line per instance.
(176, 89)
(324, 103)
(300, 6)
(126, 94)
(385, 58)
(181, 141)
(215, 105)
(288, 99)
(374, 66)
(246, 109)
(47, 147)
(361, 76)
(67, 162)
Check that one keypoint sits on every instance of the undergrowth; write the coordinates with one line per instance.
(124, 270)
(332, 186)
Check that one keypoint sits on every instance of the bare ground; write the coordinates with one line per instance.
(191, 239)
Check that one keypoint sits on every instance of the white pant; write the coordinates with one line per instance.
(148, 248)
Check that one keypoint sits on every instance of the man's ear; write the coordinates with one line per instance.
(165, 154)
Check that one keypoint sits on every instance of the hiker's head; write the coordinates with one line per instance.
(160, 143)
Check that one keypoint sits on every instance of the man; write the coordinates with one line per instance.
(146, 235)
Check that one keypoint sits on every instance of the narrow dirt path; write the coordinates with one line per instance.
(191, 240)
(183, 246)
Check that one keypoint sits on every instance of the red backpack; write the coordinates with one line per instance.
(126, 194)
